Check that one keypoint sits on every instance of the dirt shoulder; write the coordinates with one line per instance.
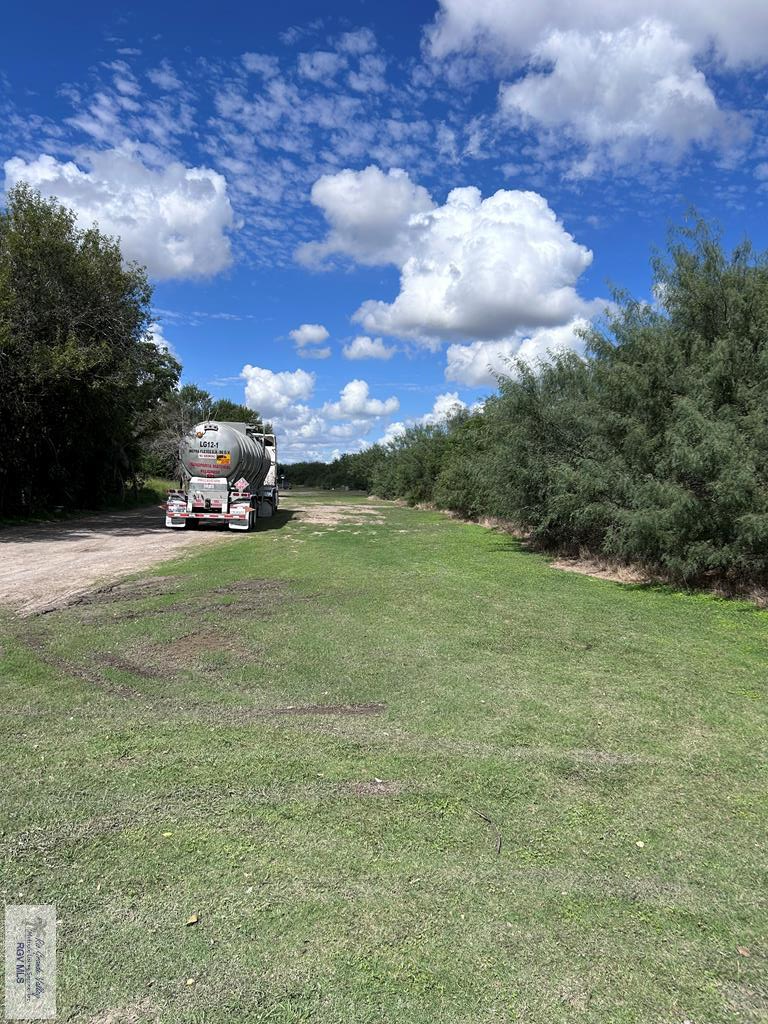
(44, 566)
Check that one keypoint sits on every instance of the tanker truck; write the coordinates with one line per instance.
(229, 473)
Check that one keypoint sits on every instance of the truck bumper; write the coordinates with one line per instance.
(234, 522)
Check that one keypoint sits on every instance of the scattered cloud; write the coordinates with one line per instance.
(172, 218)
(307, 337)
(314, 353)
(361, 41)
(513, 28)
(164, 77)
(445, 406)
(185, 159)
(310, 432)
(321, 65)
(261, 64)
(364, 347)
(370, 75)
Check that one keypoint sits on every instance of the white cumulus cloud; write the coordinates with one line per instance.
(364, 347)
(305, 431)
(737, 30)
(355, 400)
(393, 431)
(479, 363)
(444, 406)
(309, 334)
(613, 74)
(369, 214)
(306, 337)
(617, 90)
(276, 393)
(174, 219)
(472, 268)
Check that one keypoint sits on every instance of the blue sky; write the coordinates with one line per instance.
(354, 213)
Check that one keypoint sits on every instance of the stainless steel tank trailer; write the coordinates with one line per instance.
(229, 476)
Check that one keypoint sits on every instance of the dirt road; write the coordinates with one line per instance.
(47, 565)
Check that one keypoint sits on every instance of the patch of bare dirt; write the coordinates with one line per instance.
(131, 614)
(128, 590)
(375, 788)
(192, 645)
(338, 515)
(501, 525)
(323, 709)
(251, 586)
(260, 596)
(130, 665)
(47, 566)
(43, 838)
(75, 670)
(603, 570)
(142, 1012)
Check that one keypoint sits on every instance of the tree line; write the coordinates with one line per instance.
(88, 403)
(651, 449)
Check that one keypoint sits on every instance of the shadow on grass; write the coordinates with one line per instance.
(277, 521)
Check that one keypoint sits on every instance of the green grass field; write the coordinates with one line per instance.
(402, 771)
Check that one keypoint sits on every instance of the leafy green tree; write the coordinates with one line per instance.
(683, 392)
(179, 411)
(413, 464)
(463, 483)
(304, 474)
(79, 378)
(224, 409)
(177, 414)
